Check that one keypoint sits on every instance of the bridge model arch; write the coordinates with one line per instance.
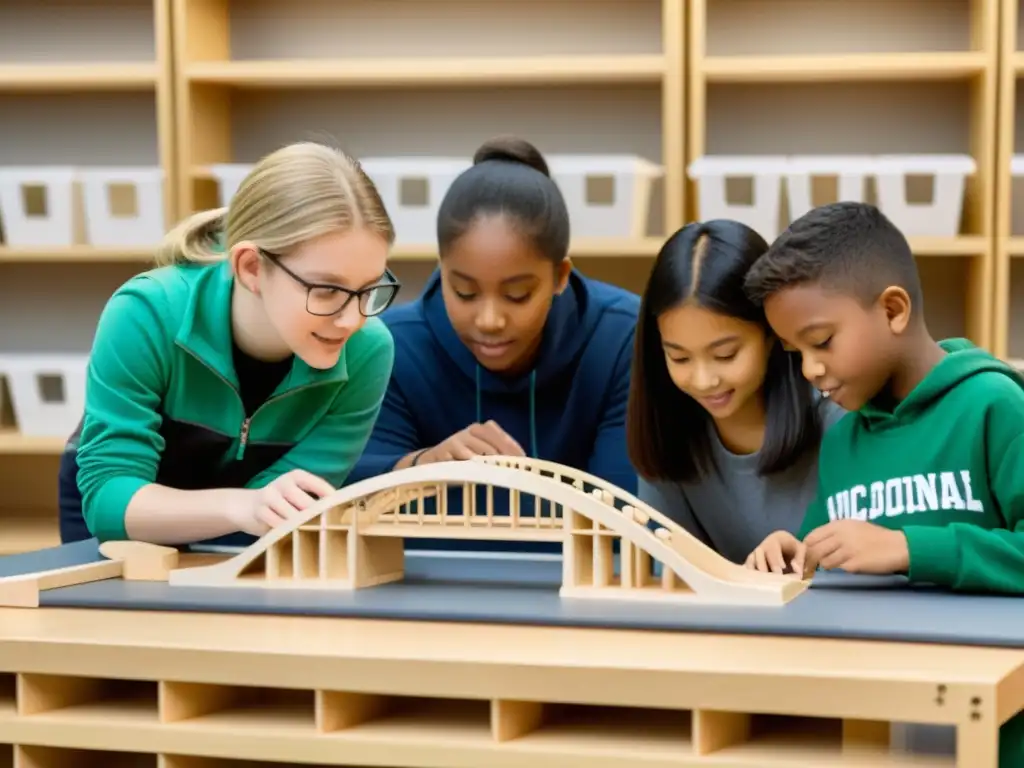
(354, 538)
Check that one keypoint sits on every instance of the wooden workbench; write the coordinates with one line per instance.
(175, 689)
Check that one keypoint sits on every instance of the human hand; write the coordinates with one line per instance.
(259, 510)
(857, 546)
(776, 551)
(487, 439)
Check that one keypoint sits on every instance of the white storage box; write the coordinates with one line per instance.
(1017, 165)
(851, 172)
(625, 214)
(142, 225)
(229, 176)
(940, 217)
(37, 415)
(412, 189)
(55, 227)
(766, 172)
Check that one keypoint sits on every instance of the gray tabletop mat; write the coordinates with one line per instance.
(524, 590)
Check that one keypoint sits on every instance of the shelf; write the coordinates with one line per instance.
(925, 69)
(57, 757)
(1008, 288)
(741, 739)
(963, 245)
(843, 67)
(567, 75)
(16, 443)
(86, 701)
(242, 126)
(81, 84)
(42, 78)
(239, 710)
(399, 73)
(81, 253)
(274, 724)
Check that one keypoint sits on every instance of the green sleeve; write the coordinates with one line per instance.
(120, 447)
(333, 446)
(971, 558)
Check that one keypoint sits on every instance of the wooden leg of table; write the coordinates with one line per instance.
(977, 744)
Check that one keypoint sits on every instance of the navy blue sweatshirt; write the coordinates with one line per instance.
(571, 408)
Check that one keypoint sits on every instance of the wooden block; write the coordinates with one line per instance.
(142, 561)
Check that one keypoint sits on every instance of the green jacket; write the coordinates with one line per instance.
(162, 403)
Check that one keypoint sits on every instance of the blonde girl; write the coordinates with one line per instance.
(239, 380)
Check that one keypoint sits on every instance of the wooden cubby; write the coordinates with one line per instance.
(62, 757)
(178, 724)
(860, 76)
(61, 698)
(84, 83)
(1008, 289)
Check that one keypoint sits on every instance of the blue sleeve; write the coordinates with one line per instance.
(609, 458)
(393, 436)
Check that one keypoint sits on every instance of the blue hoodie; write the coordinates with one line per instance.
(571, 408)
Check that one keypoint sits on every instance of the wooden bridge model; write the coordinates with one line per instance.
(354, 538)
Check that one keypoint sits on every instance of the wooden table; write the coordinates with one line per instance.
(177, 690)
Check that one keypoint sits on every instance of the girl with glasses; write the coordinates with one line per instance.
(239, 380)
(509, 350)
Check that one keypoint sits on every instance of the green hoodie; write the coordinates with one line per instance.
(946, 467)
(162, 402)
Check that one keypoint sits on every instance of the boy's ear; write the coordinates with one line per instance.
(895, 303)
(562, 271)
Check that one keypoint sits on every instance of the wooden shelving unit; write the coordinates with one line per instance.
(85, 83)
(871, 76)
(1008, 287)
(171, 724)
(568, 75)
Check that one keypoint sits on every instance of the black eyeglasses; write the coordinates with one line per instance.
(324, 299)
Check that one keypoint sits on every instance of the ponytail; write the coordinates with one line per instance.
(293, 195)
(195, 239)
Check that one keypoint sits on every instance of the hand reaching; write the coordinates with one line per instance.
(857, 546)
(259, 510)
(776, 552)
(487, 439)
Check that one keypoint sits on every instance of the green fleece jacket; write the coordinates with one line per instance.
(163, 405)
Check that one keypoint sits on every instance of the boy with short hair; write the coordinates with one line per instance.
(925, 476)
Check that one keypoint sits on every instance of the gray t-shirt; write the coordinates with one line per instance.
(733, 510)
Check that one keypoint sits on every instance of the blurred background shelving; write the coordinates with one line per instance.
(84, 84)
(860, 77)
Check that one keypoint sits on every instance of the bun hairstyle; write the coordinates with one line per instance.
(510, 178)
(512, 149)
